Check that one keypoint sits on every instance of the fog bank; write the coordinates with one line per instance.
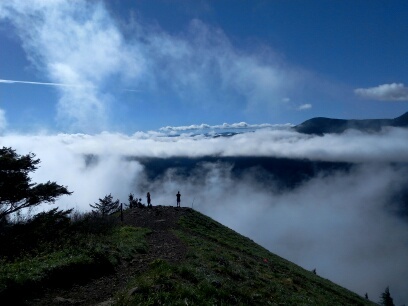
(343, 223)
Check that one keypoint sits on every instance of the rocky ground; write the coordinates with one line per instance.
(163, 244)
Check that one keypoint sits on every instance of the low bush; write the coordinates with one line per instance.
(59, 247)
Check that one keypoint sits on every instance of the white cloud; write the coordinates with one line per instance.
(3, 120)
(202, 65)
(304, 107)
(74, 43)
(351, 146)
(225, 126)
(80, 43)
(299, 224)
(366, 255)
(385, 92)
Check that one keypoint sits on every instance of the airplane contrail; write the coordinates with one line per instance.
(41, 83)
(55, 84)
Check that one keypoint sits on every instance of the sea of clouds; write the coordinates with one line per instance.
(341, 223)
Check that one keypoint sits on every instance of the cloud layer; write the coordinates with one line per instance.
(224, 126)
(341, 223)
(385, 92)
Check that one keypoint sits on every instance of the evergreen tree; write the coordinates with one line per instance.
(106, 206)
(386, 298)
(16, 189)
(132, 202)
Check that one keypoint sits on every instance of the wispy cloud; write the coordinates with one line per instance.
(209, 68)
(3, 120)
(385, 92)
(80, 50)
(304, 107)
(81, 43)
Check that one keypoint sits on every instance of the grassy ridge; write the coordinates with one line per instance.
(88, 254)
(225, 268)
(221, 267)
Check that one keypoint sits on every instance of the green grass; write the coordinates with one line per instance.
(225, 268)
(89, 253)
(221, 267)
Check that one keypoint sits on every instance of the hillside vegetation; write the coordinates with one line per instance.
(222, 267)
(158, 256)
(54, 249)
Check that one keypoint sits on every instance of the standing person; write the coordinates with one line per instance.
(178, 195)
(148, 200)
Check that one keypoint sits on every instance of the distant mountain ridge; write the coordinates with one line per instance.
(321, 125)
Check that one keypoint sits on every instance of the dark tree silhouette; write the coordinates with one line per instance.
(106, 206)
(16, 190)
(386, 298)
(135, 202)
(132, 201)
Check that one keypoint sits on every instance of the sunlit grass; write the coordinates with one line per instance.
(225, 268)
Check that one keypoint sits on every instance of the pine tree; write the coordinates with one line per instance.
(16, 189)
(386, 298)
(132, 202)
(106, 206)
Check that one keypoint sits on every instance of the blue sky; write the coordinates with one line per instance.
(127, 66)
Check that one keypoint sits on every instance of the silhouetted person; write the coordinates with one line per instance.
(148, 200)
(178, 195)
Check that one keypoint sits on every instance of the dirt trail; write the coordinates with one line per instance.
(163, 244)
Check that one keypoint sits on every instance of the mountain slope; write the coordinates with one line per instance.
(320, 125)
(222, 267)
(194, 260)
